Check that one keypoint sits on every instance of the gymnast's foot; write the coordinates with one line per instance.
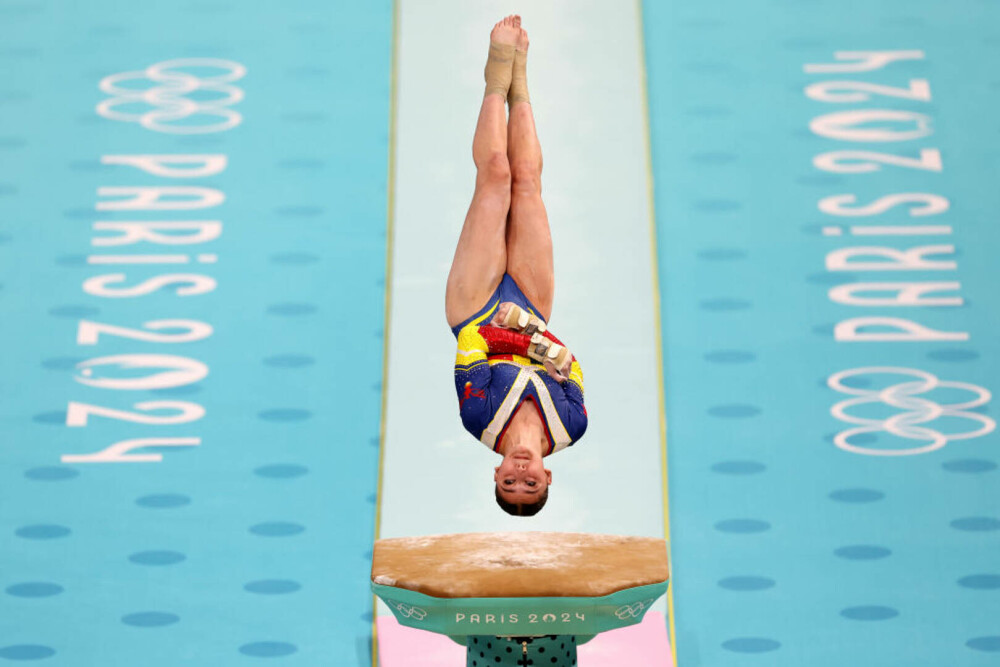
(519, 78)
(505, 31)
(522, 36)
(499, 65)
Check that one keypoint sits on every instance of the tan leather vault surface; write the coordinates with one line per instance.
(528, 564)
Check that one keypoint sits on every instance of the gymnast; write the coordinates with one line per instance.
(499, 294)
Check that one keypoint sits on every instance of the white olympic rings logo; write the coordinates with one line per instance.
(906, 424)
(167, 96)
(635, 610)
(409, 611)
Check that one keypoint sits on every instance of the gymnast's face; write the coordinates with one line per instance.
(521, 477)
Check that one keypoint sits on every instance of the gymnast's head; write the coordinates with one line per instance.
(522, 482)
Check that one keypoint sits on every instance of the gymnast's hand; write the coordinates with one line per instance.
(559, 375)
(501, 314)
(511, 316)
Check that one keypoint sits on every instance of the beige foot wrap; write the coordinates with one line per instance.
(542, 348)
(519, 79)
(520, 319)
(499, 67)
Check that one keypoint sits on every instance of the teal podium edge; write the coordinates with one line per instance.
(459, 618)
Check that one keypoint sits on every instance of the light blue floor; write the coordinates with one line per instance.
(255, 542)
(787, 549)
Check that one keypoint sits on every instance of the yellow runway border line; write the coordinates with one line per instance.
(654, 266)
(389, 239)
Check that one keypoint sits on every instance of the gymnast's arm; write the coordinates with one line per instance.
(571, 407)
(570, 403)
(472, 379)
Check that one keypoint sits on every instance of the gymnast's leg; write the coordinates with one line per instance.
(481, 255)
(529, 242)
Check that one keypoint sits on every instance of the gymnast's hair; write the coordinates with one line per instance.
(522, 509)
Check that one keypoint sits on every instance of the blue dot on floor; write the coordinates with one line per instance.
(277, 529)
(855, 382)
(738, 467)
(713, 157)
(157, 557)
(34, 589)
(717, 205)
(61, 363)
(308, 70)
(26, 652)
(989, 644)
(42, 532)
(862, 552)
(71, 260)
(707, 66)
(299, 211)
(856, 495)
(89, 166)
(831, 278)
(819, 179)
(981, 581)
(281, 471)
(969, 465)
(273, 586)
(723, 304)
(734, 411)
(74, 311)
(54, 417)
(83, 212)
(291, 309)
(284, 415)
(869, 613)
(798, 43)
(268, 649)
(708, 111)
(301, 163)
(722, 254)
(163, 500)
(294, 258)
(746, 583)
(730, 357)
(704, 22)
(303, 117)
(51, 473)
(150, 619)
(953, 355)
(751, 645)
(976, 523)
(289, 360)
(822, 329)
(742, 526)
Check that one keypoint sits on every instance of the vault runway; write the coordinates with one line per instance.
(225, 230)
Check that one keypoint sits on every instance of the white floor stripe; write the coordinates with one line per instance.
(584, 76)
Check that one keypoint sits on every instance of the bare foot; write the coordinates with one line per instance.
(522, 36)
(504, 31)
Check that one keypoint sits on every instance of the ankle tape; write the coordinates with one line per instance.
(498, 70)
(519, 79)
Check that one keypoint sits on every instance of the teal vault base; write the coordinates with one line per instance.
(520, 631)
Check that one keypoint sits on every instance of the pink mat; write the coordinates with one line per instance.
(642, 645)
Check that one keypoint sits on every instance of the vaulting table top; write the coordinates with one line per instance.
(519, 564)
